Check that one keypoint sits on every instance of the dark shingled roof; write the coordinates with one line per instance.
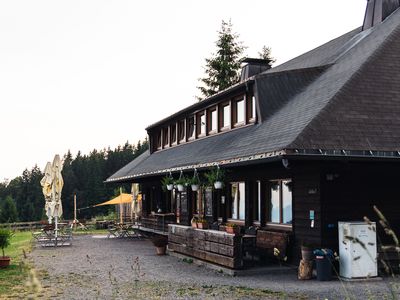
(342, 95)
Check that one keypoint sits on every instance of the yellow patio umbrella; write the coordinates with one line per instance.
(121, 199)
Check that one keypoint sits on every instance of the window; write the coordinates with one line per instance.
(181, 130)
(251, 109)
(226, 116)
(238, 200)
(257, 202)
(173, 134)
(212, 120)
(280, 208)
(201, 124)
(165, 137)
(191, 128)
(239, 117)
(158, 140)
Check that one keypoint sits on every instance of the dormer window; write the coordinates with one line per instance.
(238, 112)
(165, 141)
(234, 111)
(181, 131)
(225, 116)
(158, 140)
(251, 109)
(212, 120)
(201, 124)
(173, 133)
(191, 128)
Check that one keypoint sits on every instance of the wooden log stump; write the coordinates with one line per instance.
(305, 270)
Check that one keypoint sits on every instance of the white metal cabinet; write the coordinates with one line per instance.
(357, 249)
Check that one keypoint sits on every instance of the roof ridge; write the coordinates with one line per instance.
(353, 76)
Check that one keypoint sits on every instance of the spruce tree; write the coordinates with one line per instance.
(222, 69)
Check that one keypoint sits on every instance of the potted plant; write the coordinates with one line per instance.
(168, 182)
(232, 228)
(306, 251)
(194, 183)
(202, 224)
(215, 177)
(5, 237)
(160, 242)
(181, 183)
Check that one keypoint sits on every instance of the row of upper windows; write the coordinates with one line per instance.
(218, 118)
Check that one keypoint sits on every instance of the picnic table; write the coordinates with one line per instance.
(124, 231)
(46, 237)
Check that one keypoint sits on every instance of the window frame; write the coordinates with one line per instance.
(242, 200)
(210, 120)
(165, 137)
(199, 125)
(181, 129)
(234, 111)
(221, 120)
(173, 134)
(190, 123)
(281, 211)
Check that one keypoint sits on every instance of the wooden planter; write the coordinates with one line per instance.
(233, 230)
(4, 261)
(161, 250)
(202, 225)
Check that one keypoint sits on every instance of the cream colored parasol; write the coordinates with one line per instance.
(52, 184)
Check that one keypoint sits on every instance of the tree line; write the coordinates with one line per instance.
(22, 199)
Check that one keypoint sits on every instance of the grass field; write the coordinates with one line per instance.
(14, 277)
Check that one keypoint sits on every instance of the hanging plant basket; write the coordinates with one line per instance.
(215, 177)
(168, 182)
(218, 185)
(194, 182)
(180, 187)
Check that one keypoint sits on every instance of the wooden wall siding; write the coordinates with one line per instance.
(306, 197)
(352, 194)
(214, 246)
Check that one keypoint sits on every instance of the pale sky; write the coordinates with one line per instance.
(82, 74)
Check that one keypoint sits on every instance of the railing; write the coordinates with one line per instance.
(22, 225)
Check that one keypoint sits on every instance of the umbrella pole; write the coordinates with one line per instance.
(75, 221)
(56, 228)
(120, 205)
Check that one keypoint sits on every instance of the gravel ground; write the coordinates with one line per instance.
(101, 268)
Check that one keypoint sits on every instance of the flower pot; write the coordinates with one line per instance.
(180, 187)
(194, 225)
(4, 261)
(161, 250)
(306, 253)
(233, 230)
(218, 185)
(195, 187)
(170, 187)
(202, 225)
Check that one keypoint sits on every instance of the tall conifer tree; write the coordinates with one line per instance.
(222, 69)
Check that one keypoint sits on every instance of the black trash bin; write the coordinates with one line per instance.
(324, 268)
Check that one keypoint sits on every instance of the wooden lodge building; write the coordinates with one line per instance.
(311, 142)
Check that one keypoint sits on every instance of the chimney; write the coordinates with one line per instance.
(378, 10)
(253, 66)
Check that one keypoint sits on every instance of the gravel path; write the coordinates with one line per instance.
(101, 268)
